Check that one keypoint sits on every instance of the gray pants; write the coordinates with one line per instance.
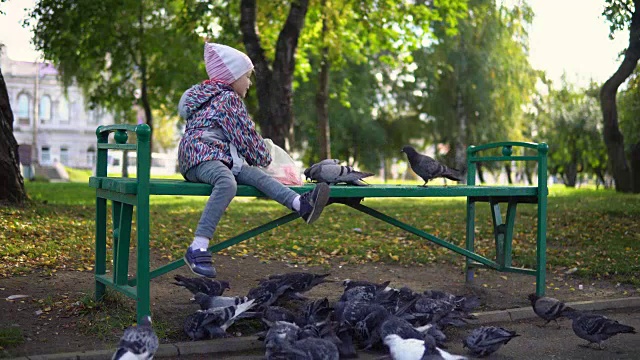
(216, 173)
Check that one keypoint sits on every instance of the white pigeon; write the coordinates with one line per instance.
(414, 349)
(138, 342)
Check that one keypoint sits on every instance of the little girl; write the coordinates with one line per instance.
(221, 147)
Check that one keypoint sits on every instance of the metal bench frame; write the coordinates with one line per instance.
(127, 193)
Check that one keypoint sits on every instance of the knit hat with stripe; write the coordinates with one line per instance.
(225, 63)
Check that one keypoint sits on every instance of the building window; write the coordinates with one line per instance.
(95, 116)
(44, 110)
(23, 109)
(45, 155)
(63, 110)
(64, 155)
(91, 157)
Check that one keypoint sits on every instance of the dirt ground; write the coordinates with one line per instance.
(49, 322)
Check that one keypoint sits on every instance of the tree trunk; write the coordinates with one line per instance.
(507, 169)
(529, 175)
(480, 171)
(570, 175)
(461, 140)
(635, 167)
(612, 136)
(274, 85)
(322, 99)
(11, 182)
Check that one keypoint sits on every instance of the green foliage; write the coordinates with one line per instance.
(600, 226)
(471, 86)
(571, 118)
(115, 48)
(618, 13)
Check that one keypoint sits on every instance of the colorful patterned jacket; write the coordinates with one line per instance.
(214, 105)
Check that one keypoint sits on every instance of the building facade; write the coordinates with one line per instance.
(50, 125)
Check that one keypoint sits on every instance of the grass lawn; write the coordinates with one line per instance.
(595, 231)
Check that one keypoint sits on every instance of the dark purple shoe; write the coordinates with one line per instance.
(313, 202)
(200, 263)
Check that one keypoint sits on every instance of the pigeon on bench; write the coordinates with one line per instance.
(331, 172)
(138, 342)
(428, 168)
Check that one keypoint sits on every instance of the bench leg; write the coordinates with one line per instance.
(507, 248)
(101, 245)
(471, 223)
(122, 217)
(541, 247)
(143, 307)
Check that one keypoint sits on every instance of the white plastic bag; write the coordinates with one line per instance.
(282, 167)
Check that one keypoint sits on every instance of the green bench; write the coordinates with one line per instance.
(127, 193)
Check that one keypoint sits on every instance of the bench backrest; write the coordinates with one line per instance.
(507, 150)
(142, 147)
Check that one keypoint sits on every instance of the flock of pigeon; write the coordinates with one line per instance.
(411, 325)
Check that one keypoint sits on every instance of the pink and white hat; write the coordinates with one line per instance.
(225, 63)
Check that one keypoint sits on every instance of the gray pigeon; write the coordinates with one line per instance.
(305, 349)
(268, 292)
(202, 284)
(428, 168)
(596, 328)
(299, 282)
(398, 326)
(213, 323)
(486, 340)
(307, 171)
(548, 308)
(209, 302)
(333, 173)
(138, 342)
(415, 349)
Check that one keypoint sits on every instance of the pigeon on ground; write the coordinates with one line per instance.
(333, 173)
(268, 292)
(202, 284)
(462, 303)
(428, 168)
(596, 328)
(548, 308)
(316, 312)
(138, 342)
(209, 302)
(348, 284)
(394, 325)
(486, 340)
(415, 349)
(213, 323)
(299, 282)
(305, 349)
(271, 314)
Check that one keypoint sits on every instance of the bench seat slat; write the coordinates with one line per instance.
(179, 187)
